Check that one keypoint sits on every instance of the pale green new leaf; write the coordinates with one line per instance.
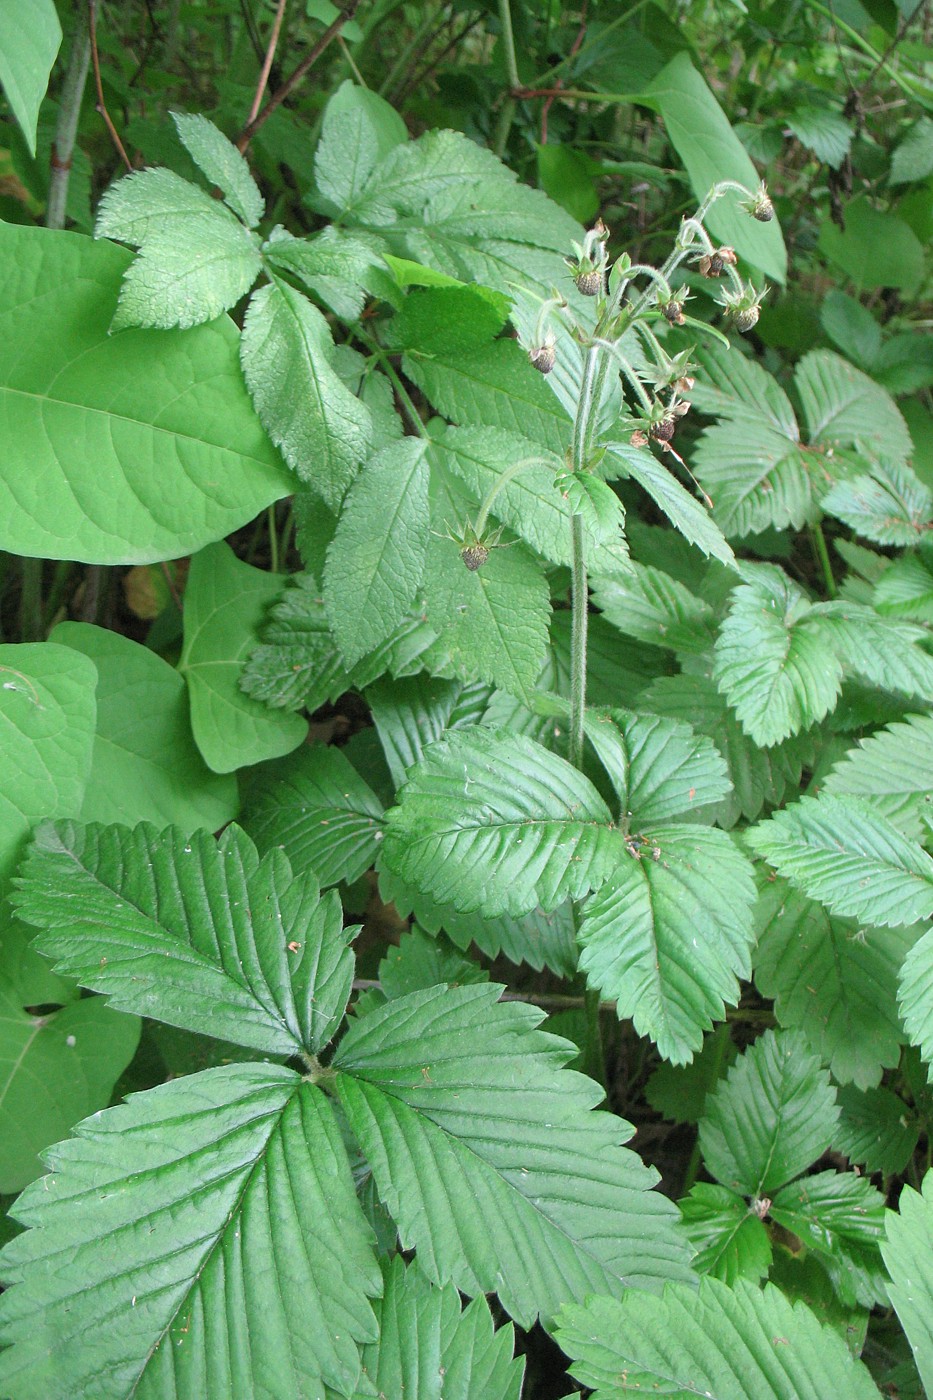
(223, 165)
(208, 1194)
(491, 821)
(670, 933)
(324, 432)
(836, 849)
(772, 663)
(832, 979)
(771, 1116)
(224, 603)
(116, 448)
(730, 1240)
(333, 265)
(48, 713)
(193, 932)
(839, 1216)
(845, 408)
(428, 1349)
(653, 607)
(890, 505)
(489, 1157)
(908, 1255)
(658, 767)
(30, 36)
(684, 512)
(892, 770)
(728, 1343)
(150, 203)
(376, 558)
(319, 811)
(145, 764)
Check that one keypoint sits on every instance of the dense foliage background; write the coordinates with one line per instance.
(467, 698)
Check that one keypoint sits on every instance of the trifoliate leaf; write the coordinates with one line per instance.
(488, 1157)
(908, 1256)
(883, 651)
(836, 849)
(658, 767)
(197, 933)
(223, 165)
(771, 1116)
(832, 979)
(755, 477)
(669, 934)
(839, 1216)
(730, 1343)
(494, 822)
(730, 1240)
(208, 1192)
(737, 387)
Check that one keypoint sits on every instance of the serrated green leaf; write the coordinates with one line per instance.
(145, 764)
(223, 165)
(905, 589)
(653, 607)
(892, 770)
(199, 934)
(844, 407)
(840, 1217)
(913, 156)
(428, 1348)
(208, 1191)
(658, 767)
(889, 506)
(684, 512)
(884, 651)
(333, 265)
(755, 478)
(908, 1256)
(376, 558)
(494, 822)
(771, 663)
(730, 1343)
(323, 431)
(916, 996)
(528, 1191)
(137, 447)
(771, 1116)
(737, 387)
(679, 1091)
(823, 131)
(317, 809)
(876, 1129)
(837, 850)
(852, 327)
(424, 960)
(29, 41)
(410, 714)
(832, 979)
(730, 1240)
(150, 202)
(669, 933)
(224, 603)
(359, 129)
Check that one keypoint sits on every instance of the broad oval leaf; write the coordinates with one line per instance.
(226, 1254)
(117, 449)
(29, 40)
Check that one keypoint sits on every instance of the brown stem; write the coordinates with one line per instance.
(267, 61)
(277, 98)
(101, 104)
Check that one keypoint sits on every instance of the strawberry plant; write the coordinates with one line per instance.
(509, 762)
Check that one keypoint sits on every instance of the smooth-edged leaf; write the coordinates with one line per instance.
(430, 1350)
(493, 620)
(844, 407)
(892, 770)
(145, 765)
(670, 933)
(730, 1240)
(836, 849)
(876, 1129)
(758, 776)
(658, 767)
(486, 1153)
(323, 431)
(729, 1343)
(492, 821)
(193, 932)
(771, 662)
(832, 979)
(651, 606)
(30, 37)
(376, 558)
(839, 1216)
(48, 712)
(823, 131)
(359, 129)
(223, 165)
(684, 512)
(771, 1116)
(225, 1254)
(117, 449)
(891, 505)
(700, 133)
(55, 1068)
(908, 1256)
(319, 811)
(224, 603)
